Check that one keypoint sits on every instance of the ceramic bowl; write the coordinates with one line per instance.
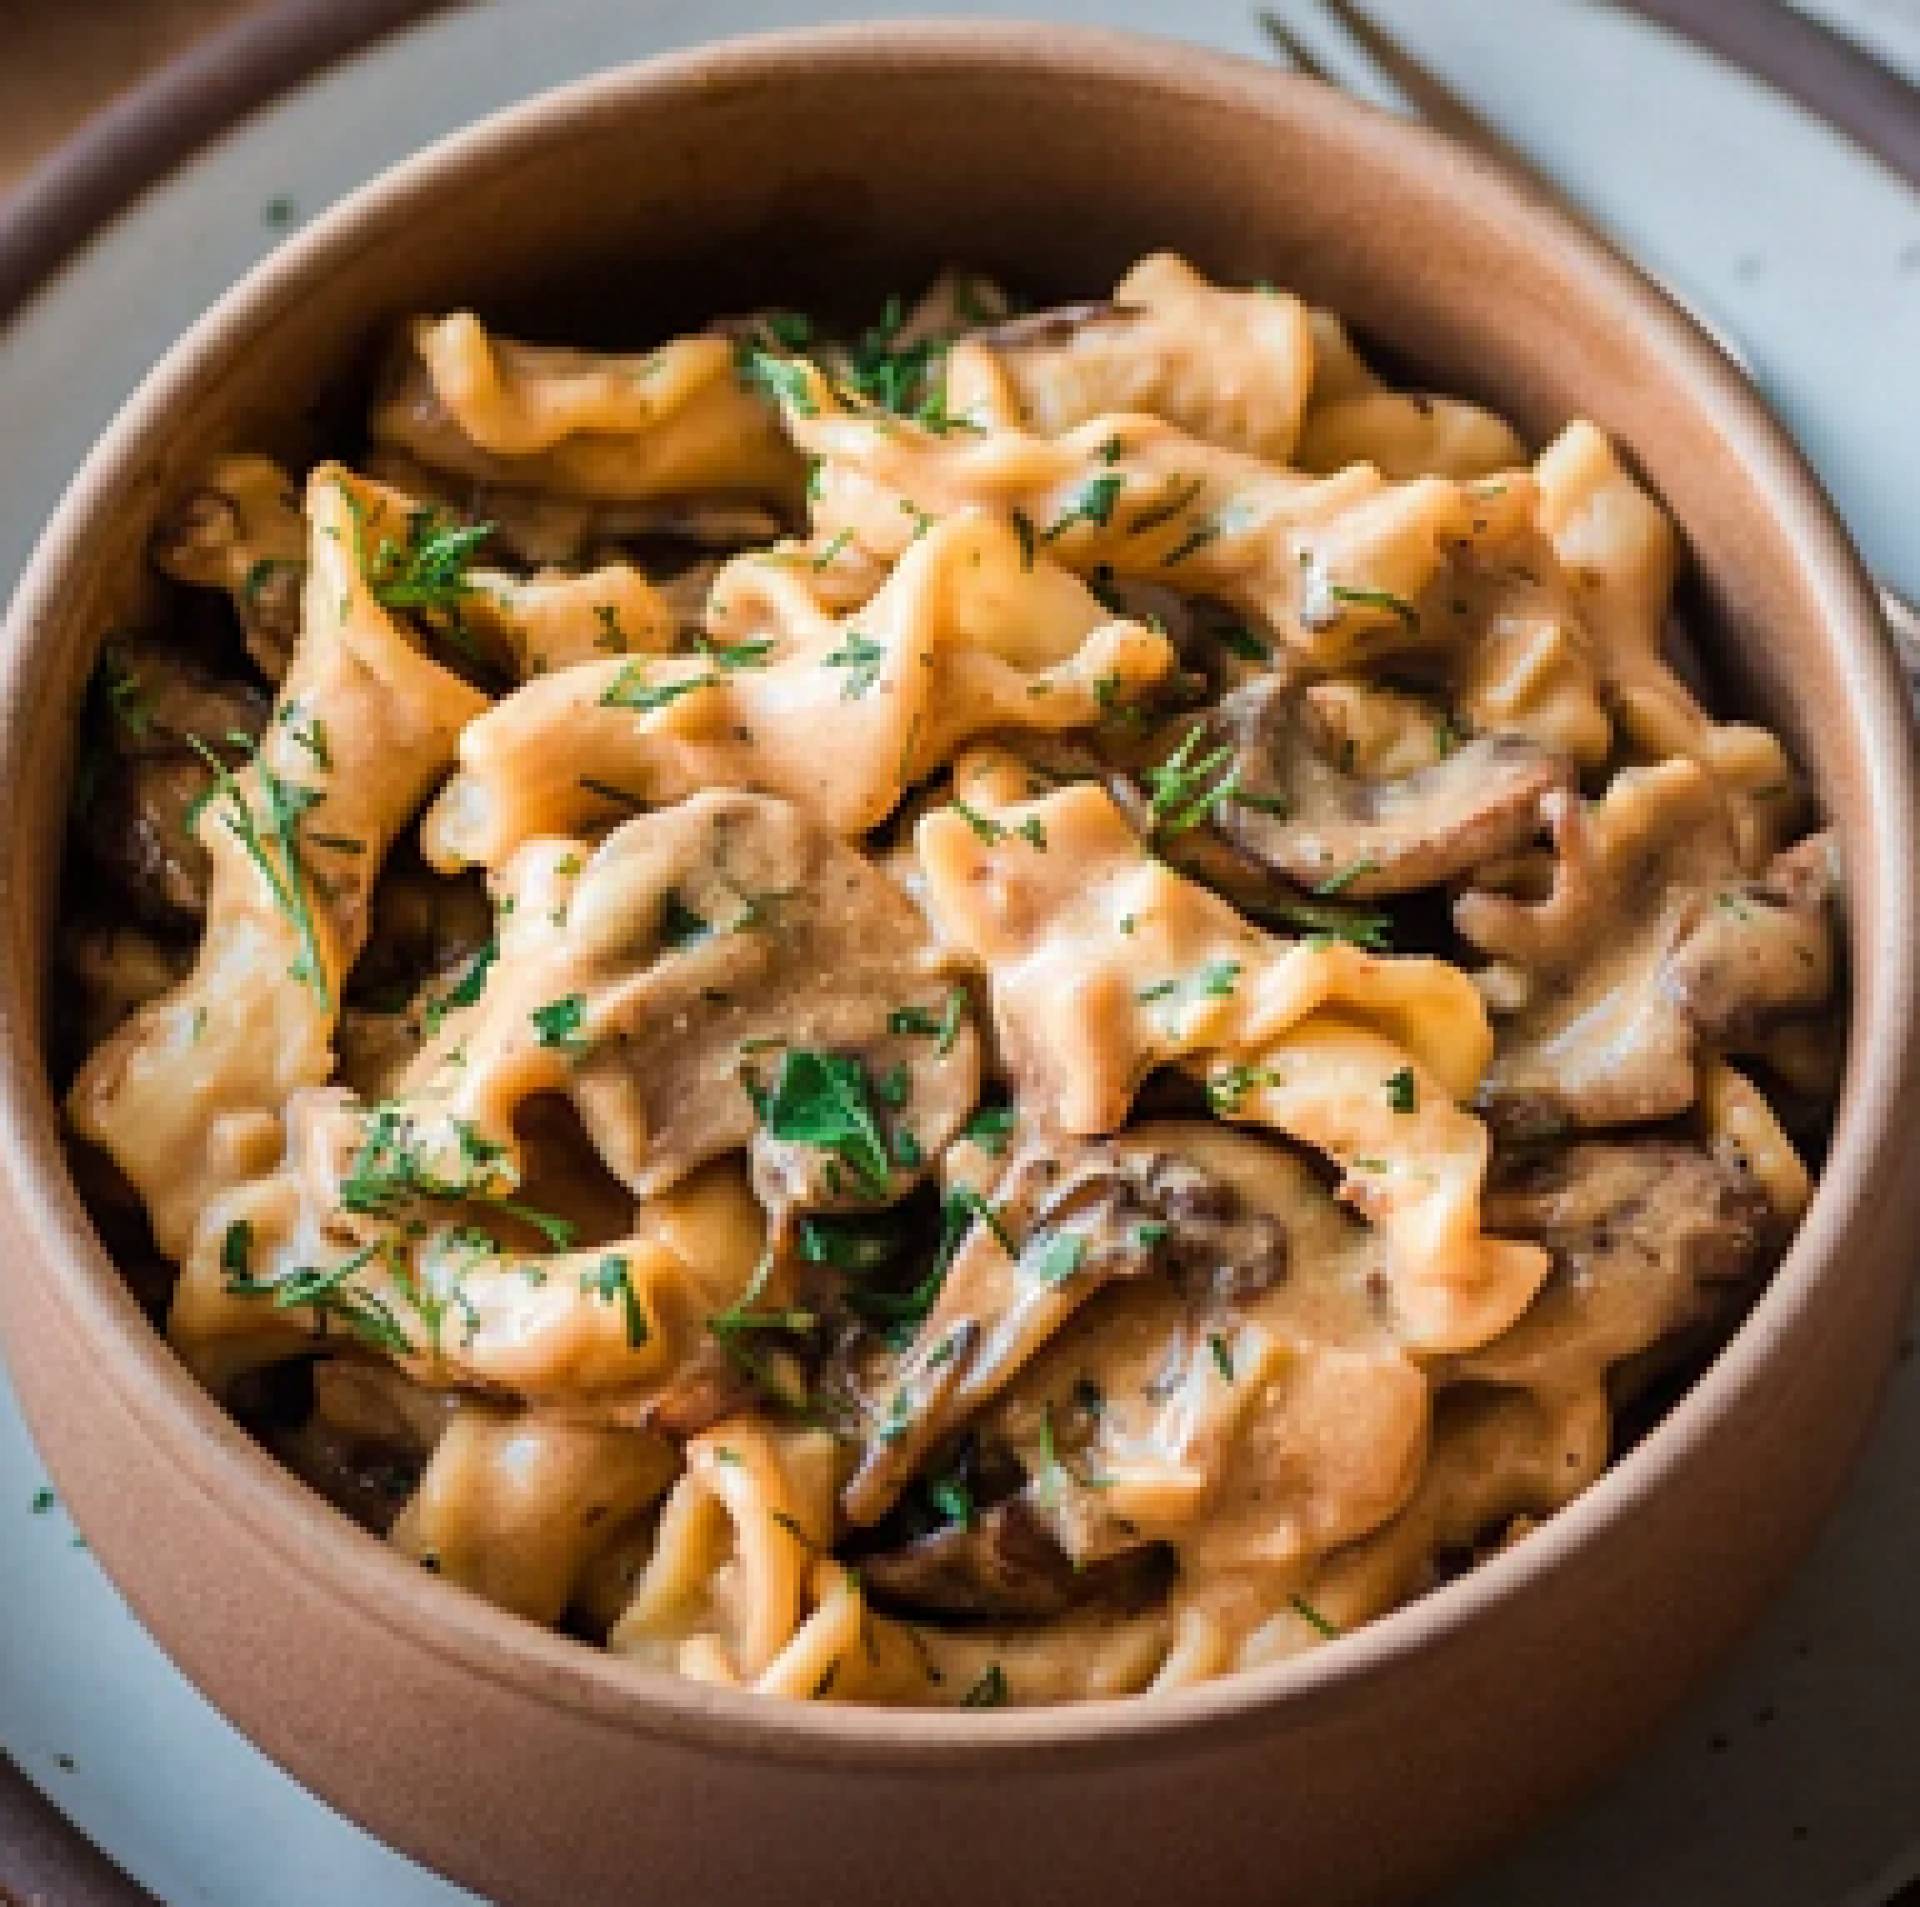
(844, 163)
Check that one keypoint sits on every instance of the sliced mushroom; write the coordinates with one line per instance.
(1760, 952)
(735, 976)
(139, 817)
(1648, 950)
(369, 1435)
(1066, 1218)
(1302, 814)
(1007, 1563)
(1646, 1238)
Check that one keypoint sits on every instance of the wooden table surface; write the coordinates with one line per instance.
(67, 58)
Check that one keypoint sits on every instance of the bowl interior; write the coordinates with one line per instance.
(831, 171)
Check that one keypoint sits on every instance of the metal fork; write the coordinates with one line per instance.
(1430, 99)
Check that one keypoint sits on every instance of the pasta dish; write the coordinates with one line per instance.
(996, 1007)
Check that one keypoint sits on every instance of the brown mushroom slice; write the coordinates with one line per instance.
(139, 817)
(1648, 949)
(370, 1432)
(116, 968)
(1231, 367)
(1646, 1237)
(1006, 1563)
(1303, 815)
(239, 529)
(720, 974)
(1251, 1429)
(1066, 1218)
(1760, 952)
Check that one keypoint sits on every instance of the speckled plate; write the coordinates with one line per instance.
(1795, 1780)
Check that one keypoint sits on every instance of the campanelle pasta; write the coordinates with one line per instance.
(1009, 1007)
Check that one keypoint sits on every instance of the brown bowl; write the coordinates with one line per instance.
(540, 1770)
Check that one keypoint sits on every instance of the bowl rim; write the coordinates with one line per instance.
(354, 1567)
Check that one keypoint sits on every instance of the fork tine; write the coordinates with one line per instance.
(1430, 96)
(1296, 50)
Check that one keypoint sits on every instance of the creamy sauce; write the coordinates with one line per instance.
(1113, 1014)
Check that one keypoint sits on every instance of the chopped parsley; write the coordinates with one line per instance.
(1180, 495)
(325, 1292)
(1376, 599)
(390, 1169)
(1237, 639)
(1092, 503)
(612, 638)
(1195, 540)
(989, 1690)
(785, 380)
(1222, 1355)
(862, 658)
(1339, 882)
(310, 734)
(557, 1024)
(1313, 1618)
(989, 1128)
(612, 1279)
(1057, 1257)
(680, 926)
(1227, 1089)
(752, 653)
(285, 802)
(630, 689)
(1188, 787)
(426, 570)
(826, 1100)
(1402, 1092)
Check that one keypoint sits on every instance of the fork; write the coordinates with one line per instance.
(1429, 98)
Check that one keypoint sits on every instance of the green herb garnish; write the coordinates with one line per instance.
(557, 1024)
(825, 1100)
(1092, 503)
(286, 802)
(630, 689)
(1188, 787)
(611, 1279)
(862, 658)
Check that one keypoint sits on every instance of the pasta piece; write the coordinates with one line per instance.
(513, 1506)
(1336, 567)
(1621, 552)
(240, 529)
(554, 619)
(1406, 434)
(186, 1095)
(839, 716)
(677, 421)
(1744, 1134)
(1228, 367)
(1104, 964)
(726, 1589)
